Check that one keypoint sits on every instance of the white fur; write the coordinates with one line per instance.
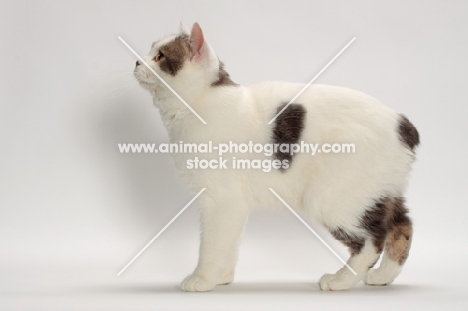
(343, 279)
(333, 188)
(385, 273)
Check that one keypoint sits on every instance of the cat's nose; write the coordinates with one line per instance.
(137, 63)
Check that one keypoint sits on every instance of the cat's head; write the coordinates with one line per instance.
(185, 61)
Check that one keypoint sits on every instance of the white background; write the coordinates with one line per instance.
(74, 211)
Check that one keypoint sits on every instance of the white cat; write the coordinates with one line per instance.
(358, 197)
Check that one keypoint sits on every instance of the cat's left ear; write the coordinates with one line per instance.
(198, 44)
(183, 29)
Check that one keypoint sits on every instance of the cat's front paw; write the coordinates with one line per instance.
(226, 279)
(195, 283)
(333, 282)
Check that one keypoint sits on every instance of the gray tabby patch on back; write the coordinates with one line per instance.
(223, 77)
(175, 53)
(288, 128)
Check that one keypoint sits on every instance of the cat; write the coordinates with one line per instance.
(358, 197)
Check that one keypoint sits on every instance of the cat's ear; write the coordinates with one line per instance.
(197, 42)
(183, 29)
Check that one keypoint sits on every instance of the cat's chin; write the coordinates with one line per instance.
(148, 86)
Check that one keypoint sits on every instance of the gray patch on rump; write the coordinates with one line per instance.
(389, 226)
(375, 222)
(408, 133)
(398, 241)
(223, 77)
(175, 53)
(288, 128)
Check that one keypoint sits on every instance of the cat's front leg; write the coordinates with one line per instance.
(222, 226)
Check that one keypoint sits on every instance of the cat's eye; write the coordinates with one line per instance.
(158, 57)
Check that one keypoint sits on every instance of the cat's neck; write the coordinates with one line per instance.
(174, 112)
(211, 105)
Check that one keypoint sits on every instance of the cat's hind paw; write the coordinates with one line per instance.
(377, 277)
(195, 283)
(332, 282)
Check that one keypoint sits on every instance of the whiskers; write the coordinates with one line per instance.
(117, 84)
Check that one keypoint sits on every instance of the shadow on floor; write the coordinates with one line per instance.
(245, 288)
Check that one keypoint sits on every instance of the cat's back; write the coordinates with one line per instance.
(316, 96)
(328, 108)
(338, 115)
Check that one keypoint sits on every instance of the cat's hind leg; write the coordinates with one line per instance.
(397, 246)
(365, 244)
(364, 255)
